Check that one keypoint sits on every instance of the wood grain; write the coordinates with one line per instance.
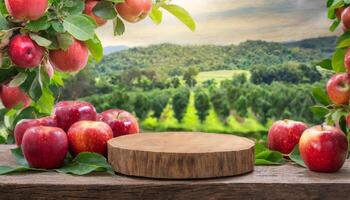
(285, 182)
(181, 155)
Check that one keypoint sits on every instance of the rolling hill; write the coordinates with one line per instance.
(212, 57)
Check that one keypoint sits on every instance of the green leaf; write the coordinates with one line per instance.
(85, 163)
(91, 158)
(74, 7)
(3, 135)
(4, 25)
(181, 14)
(8, 169)
(57, 79)
(344, 43)
(295, 156)
(156, 15)
(80, 26)
(321, 96)
(263, 156)
(41, 41)
(18, 154)
(338, 60)
(105, 10)
(334, 25)
(338, 114)
(78, 168)
(38, 25)
(119, 27)
(46, 101)
(57, 26)
(326, 64)
(95, 48)
(18, 80)
(64, 40)
(319, 111)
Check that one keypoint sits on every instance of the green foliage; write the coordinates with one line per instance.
(180, 101)
(288, 73)
(189, 76)
(220, 103)
(159, 100)
(202, 104)
(142, 105)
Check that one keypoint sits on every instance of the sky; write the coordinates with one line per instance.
(229, 22)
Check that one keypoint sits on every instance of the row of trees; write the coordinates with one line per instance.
(237, 97)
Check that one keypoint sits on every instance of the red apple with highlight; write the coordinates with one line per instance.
(338, 89)
(24, 52)
(73, 59)
(45, 147)
(26, 10)
(134, 10)
(284, 135)
(69, 112)
(121, 122)
(25, 124)
(89, 136)
(13, 96)
(345, 18)
(323, 148)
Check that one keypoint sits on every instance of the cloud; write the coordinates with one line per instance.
(230, 21)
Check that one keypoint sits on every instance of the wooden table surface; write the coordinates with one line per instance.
(266, 182)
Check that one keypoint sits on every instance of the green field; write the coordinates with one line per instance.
(220, 75)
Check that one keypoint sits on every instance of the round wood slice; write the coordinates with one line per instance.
(181, 155)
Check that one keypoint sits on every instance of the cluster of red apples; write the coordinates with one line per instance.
(25, 53)
(74, 126)
(323, 148)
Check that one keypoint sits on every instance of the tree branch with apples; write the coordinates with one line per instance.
(44, 41)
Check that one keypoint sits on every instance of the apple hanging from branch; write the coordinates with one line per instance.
(41, 40)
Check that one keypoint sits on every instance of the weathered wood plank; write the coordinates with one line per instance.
(275, 182)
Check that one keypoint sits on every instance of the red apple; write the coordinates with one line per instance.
(24, 52)
(45, 147)
(13, 96)
(25, 124)
(323, 148)
(89, 6)
(69, 112)
(89, 136)
(26, 9)
(347, 60)
(345, 18)
(134, 10)
(121, 122)
(338, 89)
(348, 120)
(73, 59)
(284, 135)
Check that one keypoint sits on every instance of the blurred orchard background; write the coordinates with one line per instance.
(247, 64)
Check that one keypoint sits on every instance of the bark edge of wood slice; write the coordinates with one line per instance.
(181, 155)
